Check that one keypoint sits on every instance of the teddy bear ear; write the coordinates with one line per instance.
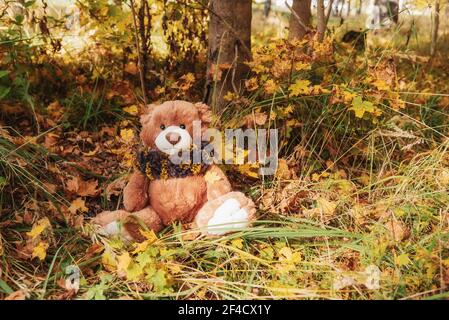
(204, 112)
(146, 114)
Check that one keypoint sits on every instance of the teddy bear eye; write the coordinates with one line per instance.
(163, 126)
(182, 126)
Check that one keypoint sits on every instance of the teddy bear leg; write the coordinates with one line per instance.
(228, 213)
(135, 194)
(128, 224)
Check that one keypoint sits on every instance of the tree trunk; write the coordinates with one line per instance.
(435, 27)
(321, 20)
(299, 19)
(393, 9)
(359, 8)
(229, 48)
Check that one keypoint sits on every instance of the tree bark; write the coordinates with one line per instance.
(229, 48)
(299, 19)
(435, 27)
(321, 20)
(359, 8)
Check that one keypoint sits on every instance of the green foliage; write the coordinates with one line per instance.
(85, 110)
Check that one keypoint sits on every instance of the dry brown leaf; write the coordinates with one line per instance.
(131, 68)
(257, 118)
(82, 188)
(50, 187)
(397, 229)
(115, 188)
(324, 208)
(78, 204)
(283, 170)
(17, 295)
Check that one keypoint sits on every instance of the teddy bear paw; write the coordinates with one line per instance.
(229, 213)
(109, 222)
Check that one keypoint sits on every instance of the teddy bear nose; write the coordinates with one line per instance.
(173, 137)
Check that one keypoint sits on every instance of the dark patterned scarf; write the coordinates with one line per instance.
(157, 165)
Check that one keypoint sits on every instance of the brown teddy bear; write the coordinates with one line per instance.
(160, 192)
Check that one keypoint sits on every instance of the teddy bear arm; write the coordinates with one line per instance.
(135, 194)
(218, 184)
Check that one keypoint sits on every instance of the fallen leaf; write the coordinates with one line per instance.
(299, 87)
(127, 135)
(40, 251)
(17, 295)
(131, 68)
(397, 230)
(324, 208)
(39, 227)
(133, 110)
(78, 204)
(283, 170)
(82, 188)
(237, 243)
(123, 262)
(402, 260)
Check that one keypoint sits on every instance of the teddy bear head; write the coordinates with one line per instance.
(169, 126)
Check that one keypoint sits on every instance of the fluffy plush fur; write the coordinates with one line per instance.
(156, 203)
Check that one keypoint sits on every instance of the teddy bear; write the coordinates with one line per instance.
(160, 192)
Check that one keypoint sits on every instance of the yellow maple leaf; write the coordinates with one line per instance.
(230, 96)
(40, 251)
(299, 87)
(189, 77)
(348, 96)
(133, 110)
(211, 177)
(39, 227)
(123, 261)
(359, 106)
(381, 85)
(237, 243)
(108, 260)
(270, 86)
(402, 260)
(302, 66)
(175, 268)
(150, 236)
(78, 204)
(141, 246)
(288, 255)
(127, 134)
(287, 110)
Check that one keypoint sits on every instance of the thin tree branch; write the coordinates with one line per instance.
(139, 54)
(329, 10)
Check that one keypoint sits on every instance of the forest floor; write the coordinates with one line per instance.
(351, 213)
